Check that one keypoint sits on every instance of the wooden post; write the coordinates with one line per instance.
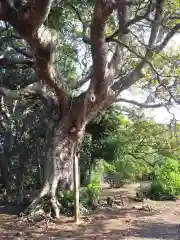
(76, 189)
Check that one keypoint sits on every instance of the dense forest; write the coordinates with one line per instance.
(65, 125)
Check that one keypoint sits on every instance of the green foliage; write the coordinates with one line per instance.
(157, 190)
(130, 148)
(66, 199)
(109, 168)
(98, 172)
(93, 193)
(166, 184)
(88, 198)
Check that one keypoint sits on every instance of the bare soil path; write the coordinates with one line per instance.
(118, 222)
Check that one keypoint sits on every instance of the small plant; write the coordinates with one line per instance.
(157, 190)
(88, 198)
(66, 198)
(93, 193)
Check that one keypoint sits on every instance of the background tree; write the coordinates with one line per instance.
(131, 147)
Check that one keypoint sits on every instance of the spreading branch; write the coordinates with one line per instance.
(29, 24)
(76, 12)
(85, 38)
(118, 32)
(14, 61)
(123, 13)
(102, 11)
(168, 37)
(28, 18)
(80, 83)
(143, 158)
(32, 89)
(22, 50)
(143, 65)
(129, 23)
(143, 105)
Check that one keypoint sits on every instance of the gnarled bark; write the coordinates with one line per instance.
(59, 165)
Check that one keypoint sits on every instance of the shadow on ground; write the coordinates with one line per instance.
(12, 209)
(101, 232)
(115, 223)
(110, 224)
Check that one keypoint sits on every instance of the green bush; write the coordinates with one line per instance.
(166, 184)
(157, 190)
(88, 198)
(66, 198)
(93, 191)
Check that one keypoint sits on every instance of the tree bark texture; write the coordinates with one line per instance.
(62, 149)
(20, 179)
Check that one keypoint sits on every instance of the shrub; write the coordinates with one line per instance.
(66, 198)
(88, 198)
(157, 190)
(93, 191)
(166, 184)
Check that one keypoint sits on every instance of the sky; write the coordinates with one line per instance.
(160, 115)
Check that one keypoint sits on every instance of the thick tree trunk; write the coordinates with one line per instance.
(76, 189)
(90, 169)
(58, 167)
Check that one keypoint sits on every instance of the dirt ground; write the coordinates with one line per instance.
(118, 222)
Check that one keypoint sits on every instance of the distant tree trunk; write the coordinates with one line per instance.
(76, 188)
(90, 169)
(59, 164)
(91, 161)
(4, 171)
(39, 168)
(4, 176)
(20, 180)
(5, 160)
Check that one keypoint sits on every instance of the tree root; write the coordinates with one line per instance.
(42, 207)
(34, 206)
(34, 219)
(56, 207)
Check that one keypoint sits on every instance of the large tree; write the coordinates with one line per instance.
(123, 38)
